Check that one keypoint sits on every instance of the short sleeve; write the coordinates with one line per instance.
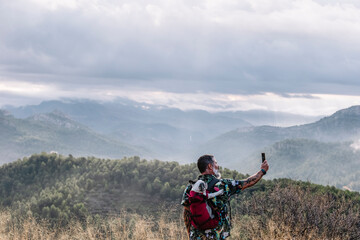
(230, 186)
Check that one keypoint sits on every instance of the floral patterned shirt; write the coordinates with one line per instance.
(221, 204)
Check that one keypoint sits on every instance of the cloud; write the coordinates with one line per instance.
(17, 93)
(226, 47)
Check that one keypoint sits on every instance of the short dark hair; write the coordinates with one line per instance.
(204, 161)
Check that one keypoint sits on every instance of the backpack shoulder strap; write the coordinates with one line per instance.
(212, 183)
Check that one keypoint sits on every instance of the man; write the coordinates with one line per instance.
(209, 170)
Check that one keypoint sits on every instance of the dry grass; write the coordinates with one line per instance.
(122, 227)
(251, 228)
(131, 226)
(296, 213)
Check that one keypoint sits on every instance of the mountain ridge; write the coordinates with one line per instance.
(56, 132)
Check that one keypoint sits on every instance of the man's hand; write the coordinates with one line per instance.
(265, 165)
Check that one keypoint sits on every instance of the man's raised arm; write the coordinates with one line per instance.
(252, 180)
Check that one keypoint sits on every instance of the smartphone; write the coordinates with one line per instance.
(263, 157)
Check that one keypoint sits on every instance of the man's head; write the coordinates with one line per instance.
(207, 164)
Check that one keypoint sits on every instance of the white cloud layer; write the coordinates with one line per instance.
(302, 104)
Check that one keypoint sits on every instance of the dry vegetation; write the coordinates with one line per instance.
(295, 212)
(125, 226)
(141, 228)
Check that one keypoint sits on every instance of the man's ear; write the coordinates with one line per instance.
(210, 166)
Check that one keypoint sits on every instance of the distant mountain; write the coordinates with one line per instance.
(125, 116)
(166, 131)
(171, 133)
(234, 148)
(344, 125)
(56, 132)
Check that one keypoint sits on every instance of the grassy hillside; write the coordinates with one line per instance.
(92, 193)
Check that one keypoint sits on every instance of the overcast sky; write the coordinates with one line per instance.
(292, 56)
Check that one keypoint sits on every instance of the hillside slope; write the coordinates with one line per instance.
(56, 132)
(334, 164)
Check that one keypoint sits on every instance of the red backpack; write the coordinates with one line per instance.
(201, 210)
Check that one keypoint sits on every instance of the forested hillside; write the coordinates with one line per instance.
(53, 186)
(63, 189)
(336, 164)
